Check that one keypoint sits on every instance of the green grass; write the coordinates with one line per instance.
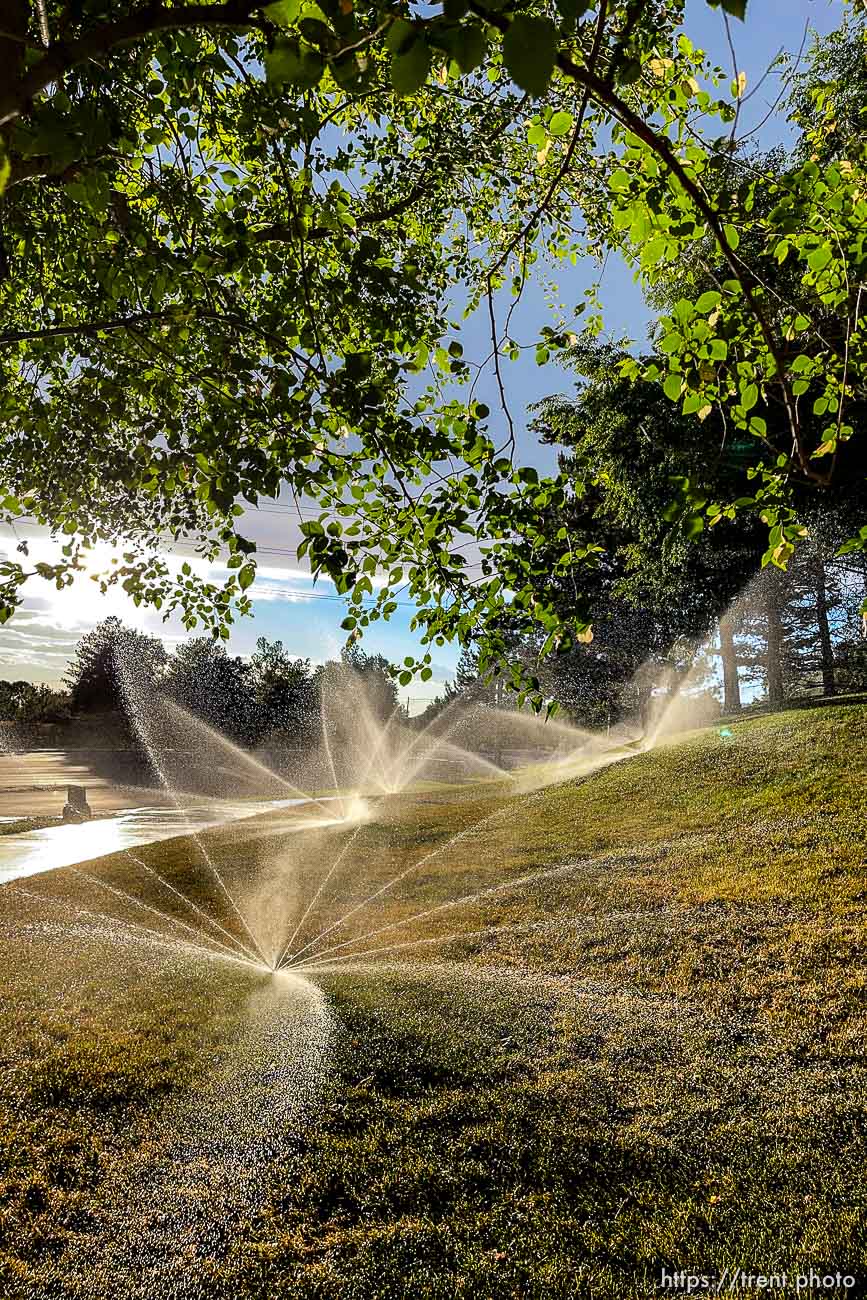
(21, 824)
(650, 1054)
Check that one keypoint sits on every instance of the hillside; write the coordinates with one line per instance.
(640, 1048)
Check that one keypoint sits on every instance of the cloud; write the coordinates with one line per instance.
(46, 628)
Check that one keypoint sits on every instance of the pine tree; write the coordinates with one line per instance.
(728, 655)
(94, 674)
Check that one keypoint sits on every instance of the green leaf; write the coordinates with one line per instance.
(294, 63)
(671, 387)
(819, 258)
(737, 8)
(561, 123)
(628, 72)
(653, 251)
(732, 236)
(246, 576)
(707, 301)
(572, 9)
(692, 526)
(749, 396)
(530, 51)
(409, 70)
(399, 36)
(469, 47)
(284, 13)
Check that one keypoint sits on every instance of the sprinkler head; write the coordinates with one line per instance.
(356, 810)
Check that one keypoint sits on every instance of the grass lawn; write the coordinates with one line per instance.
(566, 1040)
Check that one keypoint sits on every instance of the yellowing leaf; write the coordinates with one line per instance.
(543, 152)
(659, 67)
(740, 85)
(825, 449)
(586, 636)
(704, 411)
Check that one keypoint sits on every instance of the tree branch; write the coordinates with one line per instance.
(62, 55)
(605, 95)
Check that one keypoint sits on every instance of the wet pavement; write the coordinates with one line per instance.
(31, 852)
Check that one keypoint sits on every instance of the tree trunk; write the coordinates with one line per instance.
(774, 641)
(731, 684)
(826, 648)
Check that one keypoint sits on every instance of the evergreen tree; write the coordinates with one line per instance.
(283, 693)
(378, 680)
(95, 672)
(655, 587)
(213, 686)
(809, 613)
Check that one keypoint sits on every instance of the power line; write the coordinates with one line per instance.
(191, 549)
(323, 595)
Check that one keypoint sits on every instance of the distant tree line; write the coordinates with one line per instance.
(115, 669)
(22, 701)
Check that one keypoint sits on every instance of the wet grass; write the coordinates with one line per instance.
(20, 824)
(647, 1055)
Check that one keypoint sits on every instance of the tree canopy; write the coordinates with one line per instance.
(94, 676)
(237, 241)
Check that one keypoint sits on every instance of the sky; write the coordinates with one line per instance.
(36, 644)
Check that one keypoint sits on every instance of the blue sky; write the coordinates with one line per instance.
(37, 643)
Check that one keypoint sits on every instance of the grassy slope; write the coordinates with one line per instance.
(658, 1063)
